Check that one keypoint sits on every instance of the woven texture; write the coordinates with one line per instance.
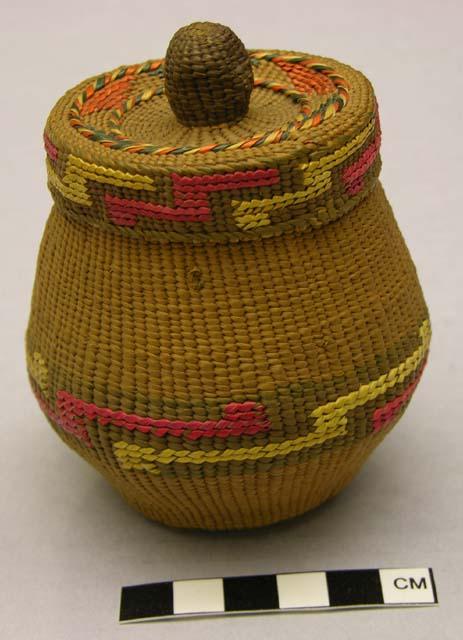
(225, 320)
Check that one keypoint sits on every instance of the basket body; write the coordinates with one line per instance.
(226, 326)
(314, 343)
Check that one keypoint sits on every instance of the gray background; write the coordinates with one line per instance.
(67, 542)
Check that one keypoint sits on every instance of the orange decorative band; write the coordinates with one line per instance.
(190, 197)
(115, 139)
(112, 96)
(306, 79)
(239, 418)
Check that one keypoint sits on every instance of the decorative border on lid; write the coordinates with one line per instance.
(183, 207)
(306, 118)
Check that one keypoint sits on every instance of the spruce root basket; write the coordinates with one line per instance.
(225, 320)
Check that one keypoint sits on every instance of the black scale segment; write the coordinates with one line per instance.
(250, 593)
(147, 601)
(356, 587)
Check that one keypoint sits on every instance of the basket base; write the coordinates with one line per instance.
(241, 501)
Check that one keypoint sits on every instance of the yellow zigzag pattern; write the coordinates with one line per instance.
(317, 180)
(73, 186)
(330, 422)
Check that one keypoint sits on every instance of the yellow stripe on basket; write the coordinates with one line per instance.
(73, 186)
(247, 211)
(330, 422)
(332, 416)
(336, 158)
(69, 193)
(37, 368)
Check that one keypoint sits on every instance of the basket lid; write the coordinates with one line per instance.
(214, 142)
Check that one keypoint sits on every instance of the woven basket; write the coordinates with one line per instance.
(226, 320)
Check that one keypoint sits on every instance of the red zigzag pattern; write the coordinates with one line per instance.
(190, 197)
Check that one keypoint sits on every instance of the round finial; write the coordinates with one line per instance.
(208, 75)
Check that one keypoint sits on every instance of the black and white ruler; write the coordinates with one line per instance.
(312, 590)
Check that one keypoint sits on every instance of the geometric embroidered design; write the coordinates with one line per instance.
(73, 186)
(239, 418)
(330, 422)
(332, 417)
(69, 423)
(317, 180)
(353, 175)
(383, 416)
(190, 195)
(249, 214)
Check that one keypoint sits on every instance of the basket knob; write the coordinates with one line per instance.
(208, 75)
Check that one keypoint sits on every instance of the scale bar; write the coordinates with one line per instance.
(310, 590)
